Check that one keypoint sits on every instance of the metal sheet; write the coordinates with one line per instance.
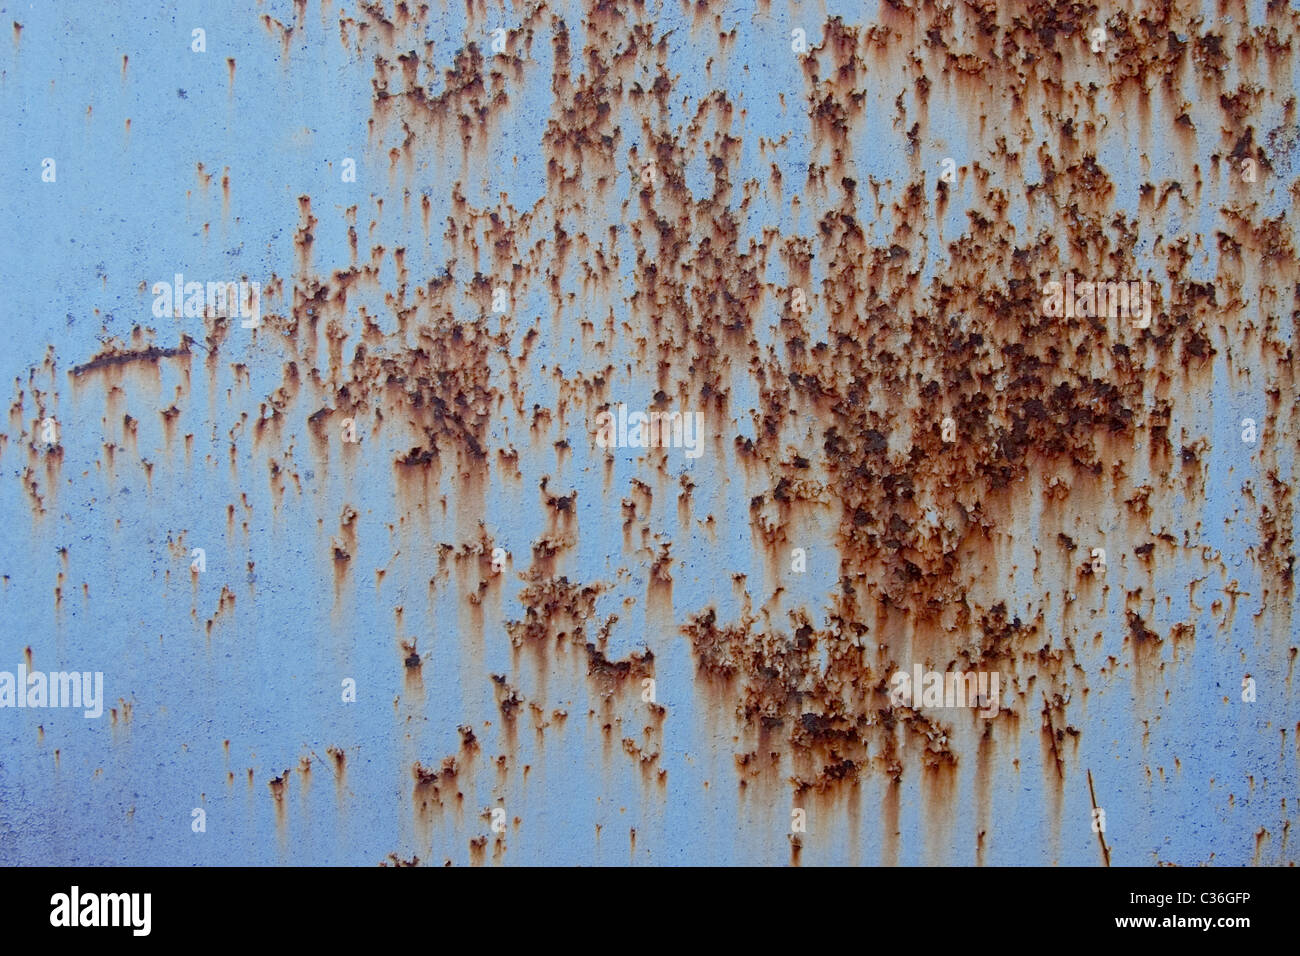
(824, 233)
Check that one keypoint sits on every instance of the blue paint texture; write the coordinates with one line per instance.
(519, 683)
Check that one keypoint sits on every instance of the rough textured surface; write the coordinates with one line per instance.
(686, 214)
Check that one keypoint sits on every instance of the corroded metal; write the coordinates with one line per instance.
(632, 420)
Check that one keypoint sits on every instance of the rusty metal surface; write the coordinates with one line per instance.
(469, 246)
